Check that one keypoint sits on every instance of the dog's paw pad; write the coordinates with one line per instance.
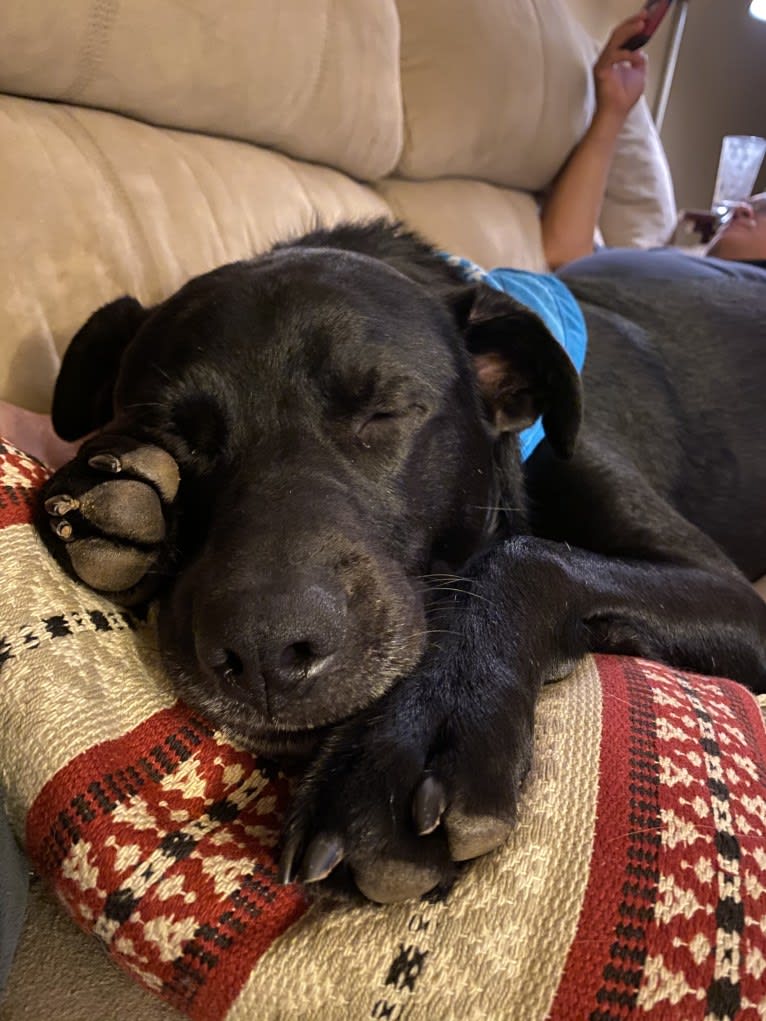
(127, 508)
(108, 512)
(390, 881)
(104, 566)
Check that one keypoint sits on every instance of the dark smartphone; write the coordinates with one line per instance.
(695, 227)
(655, 11)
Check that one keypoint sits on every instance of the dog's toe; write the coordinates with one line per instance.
(388, 881)
(470, 836)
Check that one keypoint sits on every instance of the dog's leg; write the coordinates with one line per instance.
(430, 774)
(685, 601)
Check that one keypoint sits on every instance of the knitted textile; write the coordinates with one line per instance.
(633, 886)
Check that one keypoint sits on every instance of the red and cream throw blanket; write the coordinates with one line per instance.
(633, 886)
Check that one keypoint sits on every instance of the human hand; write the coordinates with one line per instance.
(620, 74)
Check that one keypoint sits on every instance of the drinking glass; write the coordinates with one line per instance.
(738, 166)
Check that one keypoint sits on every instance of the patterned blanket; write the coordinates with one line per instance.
(633, 886)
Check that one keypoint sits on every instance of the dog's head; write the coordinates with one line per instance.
(334, 410)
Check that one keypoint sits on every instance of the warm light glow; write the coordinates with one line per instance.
(758, 9)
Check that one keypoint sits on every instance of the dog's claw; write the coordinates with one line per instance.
(323, 855)
(428, 805)
(106, 463)
(63, 530)
(287, 862)
(285, 872)
(60, 505)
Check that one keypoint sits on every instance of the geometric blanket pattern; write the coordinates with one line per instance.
(163, 848)
(634, 885)
(678, 875)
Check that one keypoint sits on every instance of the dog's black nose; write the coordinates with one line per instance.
(272, 639)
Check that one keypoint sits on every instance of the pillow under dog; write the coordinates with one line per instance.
(635, 880)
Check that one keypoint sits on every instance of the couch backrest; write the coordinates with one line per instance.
(495, 91)
(421, 88)
(316, 79)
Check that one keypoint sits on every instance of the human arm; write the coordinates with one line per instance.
(572, 208)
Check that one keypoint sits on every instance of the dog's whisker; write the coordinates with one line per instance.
(500, 509)
(135, 405)
(447, 577)
(163, 372)
(434, 631)
(456, 584)
(462, 592)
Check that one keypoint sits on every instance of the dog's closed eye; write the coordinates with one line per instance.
(383, 426)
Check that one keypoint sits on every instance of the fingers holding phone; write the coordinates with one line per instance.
(654, 11)
(620, 73)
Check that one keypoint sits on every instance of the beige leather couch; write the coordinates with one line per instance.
(142, 142)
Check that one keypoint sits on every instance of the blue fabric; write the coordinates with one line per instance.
(550, 299)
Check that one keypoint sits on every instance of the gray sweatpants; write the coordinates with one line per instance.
(14, 881)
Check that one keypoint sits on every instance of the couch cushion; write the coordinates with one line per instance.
(317, 79)
(95, 205)
(125, 207)
(600, 17)
(498, 91)
(490, 225)
(639, 207)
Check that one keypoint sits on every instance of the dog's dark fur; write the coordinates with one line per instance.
(356, 562)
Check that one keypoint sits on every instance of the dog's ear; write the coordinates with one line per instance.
(522, 370)
(82, 398)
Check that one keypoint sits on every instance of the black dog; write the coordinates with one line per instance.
(313, 457)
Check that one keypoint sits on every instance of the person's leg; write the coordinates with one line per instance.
(14, 882)
(33, 433)
(657, 264)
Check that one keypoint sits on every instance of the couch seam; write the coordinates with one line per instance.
(119, 193)
(101, 19)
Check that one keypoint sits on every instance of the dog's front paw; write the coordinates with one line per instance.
(106, 515)
(408, 789)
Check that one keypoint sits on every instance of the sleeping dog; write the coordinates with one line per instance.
(312, 459)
